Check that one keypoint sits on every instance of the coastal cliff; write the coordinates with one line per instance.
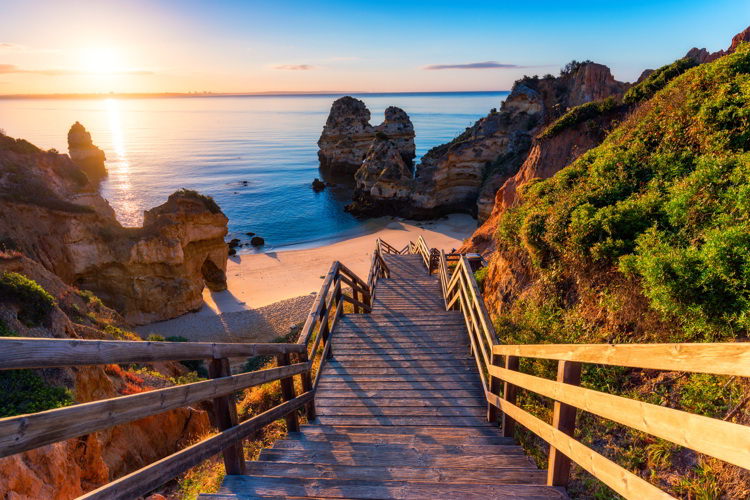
(36, 303)
(464, 175)
(50, 212)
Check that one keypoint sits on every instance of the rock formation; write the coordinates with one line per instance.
(398, 128)
(84, 154)
(383, 174)
(463, 175)
(703, 56)
(348, 135)
(68, 469)
(51, 213)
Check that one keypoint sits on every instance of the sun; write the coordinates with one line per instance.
(102, 60)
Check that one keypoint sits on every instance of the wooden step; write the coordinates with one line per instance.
(245, 487)
(319, 433)
(401, 421)
(404, 390)
(294, 444)
(357, 378)
(369, 402)
(410, 430)
(404, 458)
(335, 368)
(477, 412)
(385, 362)
(520, 475)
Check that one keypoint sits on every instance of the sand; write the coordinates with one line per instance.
(251, 309)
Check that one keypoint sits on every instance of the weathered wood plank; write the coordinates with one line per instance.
(401, 411)
(147, 479)
(21, 352)
(723, 440)
(394, 473)
(225, 413)
(451, 377)
(324, 401)
(621, 480)
(422, 440)
(412, 430)
(395, 448)
(401, 421)
(317, 307)
(405, 458)
(342, 370)
(26, 432)
(564, 420)
(731, 358)
(389, 363)
(407, 391)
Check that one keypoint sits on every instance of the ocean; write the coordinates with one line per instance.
(155, 146)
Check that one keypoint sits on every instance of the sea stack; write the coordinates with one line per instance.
(88, 157)
(348, 136)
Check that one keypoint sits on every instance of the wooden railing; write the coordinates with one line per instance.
(26, 432)
(498, 367)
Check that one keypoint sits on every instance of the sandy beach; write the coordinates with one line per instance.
(269, 292)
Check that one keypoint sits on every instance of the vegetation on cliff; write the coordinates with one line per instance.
(579, 114)
(35, 303)
(645, 238)
(657, 80)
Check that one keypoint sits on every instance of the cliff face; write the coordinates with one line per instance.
(463, 175)
(82, 151)
(51, 213)
(348, 135)
(68, 469)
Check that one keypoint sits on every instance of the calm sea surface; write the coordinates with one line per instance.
(213, 144)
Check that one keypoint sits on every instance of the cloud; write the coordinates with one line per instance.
(476, 65)
(6, 69)
(296, 67)
(7, 47)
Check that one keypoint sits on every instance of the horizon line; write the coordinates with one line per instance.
(141, 95)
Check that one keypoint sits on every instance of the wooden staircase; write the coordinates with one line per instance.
(401, 412)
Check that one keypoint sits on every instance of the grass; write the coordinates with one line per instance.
(35, 303)
(578, 115)
(24, 391)
(645, 238)
(657, 80)
(19, 146)
(207, 201)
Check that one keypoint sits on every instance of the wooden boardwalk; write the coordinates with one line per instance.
(401, 412)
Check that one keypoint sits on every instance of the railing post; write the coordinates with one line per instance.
(307, 385)
(355, 294)
(225, 411)
(494, 387)
(287, 394)
(509, 394)
(563, 419)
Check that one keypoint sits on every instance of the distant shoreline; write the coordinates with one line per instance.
(179, 95)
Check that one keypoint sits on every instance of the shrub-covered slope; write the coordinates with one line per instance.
(645, 238)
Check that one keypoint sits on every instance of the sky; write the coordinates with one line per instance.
(119, 46)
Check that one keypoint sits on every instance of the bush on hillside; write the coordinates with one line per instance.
(657, 80)
(35, 303)
(26, 392)
(664, 200)
(579, 114)
(207, 201)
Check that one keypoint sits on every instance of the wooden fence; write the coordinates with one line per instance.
(498, 366)
(26, 432)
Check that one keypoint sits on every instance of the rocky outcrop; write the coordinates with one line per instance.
(51, 213)
(398, 129)
(348, 135)
(703, 56)
(82, 151)
(383, 174)
(463, 175)
(68, 469)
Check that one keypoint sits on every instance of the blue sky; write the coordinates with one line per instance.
(160, 46)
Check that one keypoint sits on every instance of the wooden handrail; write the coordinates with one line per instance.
(718, 359)
(726, 441)
(26, 432)
(22, 352)
(152, 476)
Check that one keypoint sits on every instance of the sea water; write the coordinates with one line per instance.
(256, 155)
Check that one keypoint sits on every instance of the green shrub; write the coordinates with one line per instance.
(657, 81)
(23, 391)
(481, 275)
(5, 331)
(34, 301)
(120, 333)
(207, 201)
(155, 338)
(579, 114)
(194, 365)
(665, 200)
(19, 146)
